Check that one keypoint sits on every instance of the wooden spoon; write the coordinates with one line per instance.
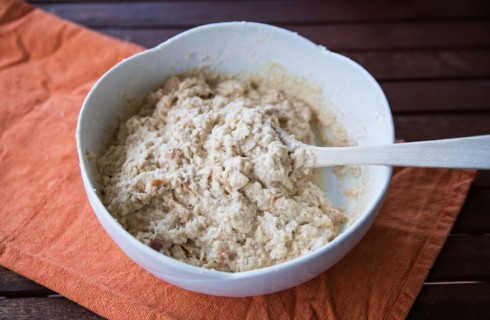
(466, 153)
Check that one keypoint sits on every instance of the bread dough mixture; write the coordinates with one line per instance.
(210, 172)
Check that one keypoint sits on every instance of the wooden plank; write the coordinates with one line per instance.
(447, 301)
(383, 65)
(452, 301)
(444, 301)
(103, 1)
(398, 35)
(194, 13)
(15, 285)
(337, 37)
(447, 95)
(475, 214)
(463, 258)
(441, 126)
(146, 37)
(424, 64)
(482, 178)
(44, 308)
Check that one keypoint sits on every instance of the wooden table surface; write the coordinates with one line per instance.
(432, 59)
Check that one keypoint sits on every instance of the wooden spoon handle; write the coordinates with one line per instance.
(466, 153)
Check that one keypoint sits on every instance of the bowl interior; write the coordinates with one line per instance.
(237, 49)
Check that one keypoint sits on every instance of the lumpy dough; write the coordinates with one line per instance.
(210, 172)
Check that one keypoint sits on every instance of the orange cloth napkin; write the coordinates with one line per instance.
(49, 233)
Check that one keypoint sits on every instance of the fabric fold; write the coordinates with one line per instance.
(49, 233)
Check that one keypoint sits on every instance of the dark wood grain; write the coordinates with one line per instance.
(452, 301)
(424, 64)
(384, 65)
(336, 37)
(15, 285)
(145, 37)
(432, 59)
(441, 126)
(398, 35)
(463, 258)
(436, 301)
(193, 13)
(44, 308)
(482, 179)
(429, 96)
(475, 215)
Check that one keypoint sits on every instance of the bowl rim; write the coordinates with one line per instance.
(215, 274)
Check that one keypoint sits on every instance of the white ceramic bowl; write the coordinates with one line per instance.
(231, 48)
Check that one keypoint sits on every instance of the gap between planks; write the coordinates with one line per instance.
(446, 301)
(186, 12)
(379, 36)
